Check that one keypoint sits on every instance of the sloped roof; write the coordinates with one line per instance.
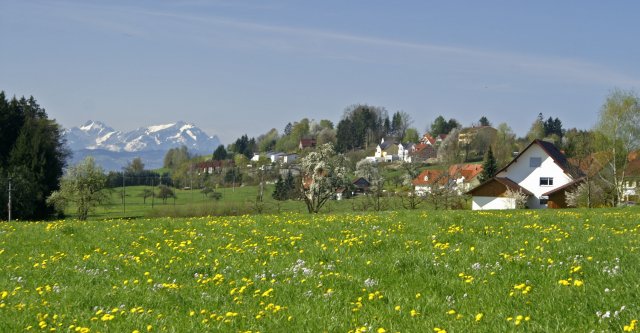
(424, 150)
(387, 144)
(468, 171)
(432, 177)
(307, 142)
(506, 182)
(555, 154)
(591, 164)
(565, 186)
(361, 183)
(428, 138)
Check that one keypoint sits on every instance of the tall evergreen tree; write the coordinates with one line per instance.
(220, 153)
(489, 167)
(32, 153)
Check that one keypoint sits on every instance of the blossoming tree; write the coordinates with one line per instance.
(323, 172)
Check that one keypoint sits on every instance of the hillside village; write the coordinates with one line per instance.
(446, 166)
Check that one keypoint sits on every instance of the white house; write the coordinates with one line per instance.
(275, 157)
(539, 171)
(388, 151)
(404, 151)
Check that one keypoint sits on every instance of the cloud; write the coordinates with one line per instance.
(569, 69)
(205, 29)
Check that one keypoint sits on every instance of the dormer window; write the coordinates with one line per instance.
(535, 162)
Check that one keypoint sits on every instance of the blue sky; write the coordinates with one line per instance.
(235, 67)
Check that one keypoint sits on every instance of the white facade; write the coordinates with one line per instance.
(486, 203)
(381, 155)
(403, 152)
(533, 176)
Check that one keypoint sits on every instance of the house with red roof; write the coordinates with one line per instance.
(306, 143)
(423, 152)
(459, 178)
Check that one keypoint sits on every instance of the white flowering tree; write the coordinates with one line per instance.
(323, 172)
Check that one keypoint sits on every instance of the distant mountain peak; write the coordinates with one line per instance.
(158, 128)
(97, 135)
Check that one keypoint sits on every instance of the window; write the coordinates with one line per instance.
(544, 199)
(535, 162)
(546, 181)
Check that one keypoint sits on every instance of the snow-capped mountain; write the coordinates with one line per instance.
(112, 149)
(97, 135)
(93, 135)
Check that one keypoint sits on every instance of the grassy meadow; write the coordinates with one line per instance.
(234, 201)
(403, 271)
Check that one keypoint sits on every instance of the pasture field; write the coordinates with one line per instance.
(238, 201)
(404, 271)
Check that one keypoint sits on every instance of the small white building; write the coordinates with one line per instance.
(537, 171)
(388, 151)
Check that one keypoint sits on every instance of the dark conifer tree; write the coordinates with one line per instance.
(32, 153)
(489, 167)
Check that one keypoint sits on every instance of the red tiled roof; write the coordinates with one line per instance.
(428, 138)
(468, 171)
(432, 177)
(306, 143)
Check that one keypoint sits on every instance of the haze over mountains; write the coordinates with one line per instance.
(112, 149)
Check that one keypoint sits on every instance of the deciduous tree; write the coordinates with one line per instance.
(619, 126)
(504, 145)
(84, 186)
(322, 173)
(135, 166)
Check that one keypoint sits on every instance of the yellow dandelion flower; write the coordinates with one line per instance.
(479, 316)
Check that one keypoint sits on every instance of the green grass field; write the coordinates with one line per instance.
(234, 201)
(419, 271)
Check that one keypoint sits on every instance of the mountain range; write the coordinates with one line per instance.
(113, 149)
